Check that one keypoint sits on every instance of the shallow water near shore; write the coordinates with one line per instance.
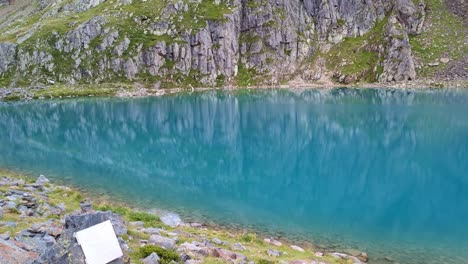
(382, 171)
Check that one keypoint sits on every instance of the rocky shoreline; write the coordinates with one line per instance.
(139, 90)
(38, 220)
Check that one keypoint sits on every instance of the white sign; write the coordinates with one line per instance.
(99, 243)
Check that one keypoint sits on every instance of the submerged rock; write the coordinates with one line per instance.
(171, 219)
(42, 180)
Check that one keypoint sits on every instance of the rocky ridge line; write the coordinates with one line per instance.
(265, 42)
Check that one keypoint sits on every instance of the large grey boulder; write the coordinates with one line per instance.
(67, 250)
(165, 242)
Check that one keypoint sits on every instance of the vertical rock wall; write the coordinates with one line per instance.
(273, 37)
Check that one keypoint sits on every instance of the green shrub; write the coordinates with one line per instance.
(265, 261)
(165, 255)
(150, 220)
(249, 237)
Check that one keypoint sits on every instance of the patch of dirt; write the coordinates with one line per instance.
(459, 8)
(455, 70)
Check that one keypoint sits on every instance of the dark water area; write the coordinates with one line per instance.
(383, 171)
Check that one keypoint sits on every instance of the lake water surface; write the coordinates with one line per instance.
(382, 171)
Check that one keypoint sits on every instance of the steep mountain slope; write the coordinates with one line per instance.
(169, 43)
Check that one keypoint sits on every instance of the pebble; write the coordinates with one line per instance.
(137, 224)
(272, 242)
(196, 225)
(217, 241)
(151, 231)
(297, 248)
(273, 253)
(238, 246)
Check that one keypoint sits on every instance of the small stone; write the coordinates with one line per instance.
(217, 241)
(318, 254)
(172, 234)
(363, 257)
(223, 253)
(5, 236)
(151, 259)
(185, 257)
(298, 248)
(8, 224)
(238, 246)
(9, 205)
(433, 64)
(194, 248)
(273, 253)
(192, 261)
(299, 262)
(42, 180)
(445, 60)
(196, 225)
(273, 242)
(86, 206)
(137, 224)
(151, 231)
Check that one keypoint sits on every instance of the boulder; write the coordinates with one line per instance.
(66, 249)
(12, 253)
(86, 206)
(151, 259)
(42, 180)
(165, 242)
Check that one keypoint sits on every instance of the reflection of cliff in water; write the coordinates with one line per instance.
(365, 161)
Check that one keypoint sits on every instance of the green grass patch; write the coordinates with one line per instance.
(166, 256)
(358, 56)
(149, 220)
(246, 76)
(444, 36)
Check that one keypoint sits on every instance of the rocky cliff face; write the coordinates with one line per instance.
(203, 43)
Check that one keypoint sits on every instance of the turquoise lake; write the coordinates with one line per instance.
(383, 171)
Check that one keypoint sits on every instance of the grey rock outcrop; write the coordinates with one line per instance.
(67, 250)
(7, 56)
(398, 62)
(165, 242)
(406, 19)
(271, 38)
